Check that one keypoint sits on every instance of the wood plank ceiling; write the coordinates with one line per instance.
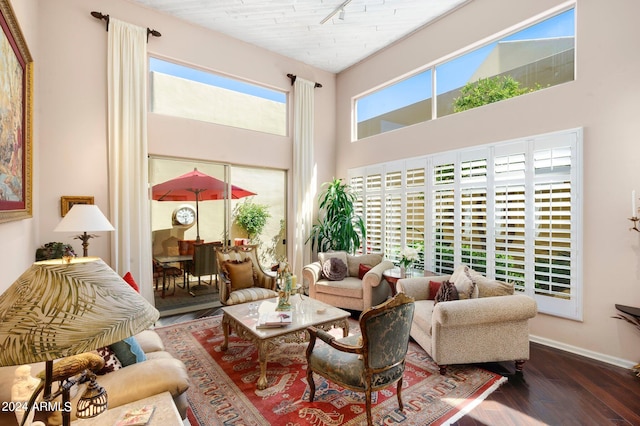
(293, 28)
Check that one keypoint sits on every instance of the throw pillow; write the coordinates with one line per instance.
(334, 269)
(490, 288)
(240, 273)
(128, 351)
(434, 286)
(129, 279)
(324, 256)
(466, 286)
(363, 269)
(111, 361)
(446, 293)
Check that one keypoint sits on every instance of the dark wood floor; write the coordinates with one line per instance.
(560, 388)
(556, 388)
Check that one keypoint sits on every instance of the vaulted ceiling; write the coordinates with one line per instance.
(316, 32)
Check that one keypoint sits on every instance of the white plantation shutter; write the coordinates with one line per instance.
(374, 215)
(509, 214)
(357, 186)
(510, 243)
(393, 227)
(510, 210)
(414, 228)
(443, 218)
(473, 214)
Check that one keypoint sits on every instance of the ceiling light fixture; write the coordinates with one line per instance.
(335, 11)
(341, 16)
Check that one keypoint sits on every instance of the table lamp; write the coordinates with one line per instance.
(84, 218)
(59, 309)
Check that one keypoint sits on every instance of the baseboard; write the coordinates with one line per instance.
(618, 362)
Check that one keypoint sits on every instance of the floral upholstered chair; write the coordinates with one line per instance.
(369, 362)
(242, 279)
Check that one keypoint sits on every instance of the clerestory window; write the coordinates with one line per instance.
(186, 92)
(527, 59)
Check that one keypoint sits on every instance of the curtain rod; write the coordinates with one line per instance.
(293, 80)
(101, 16)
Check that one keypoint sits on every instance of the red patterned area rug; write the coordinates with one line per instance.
(223, 385)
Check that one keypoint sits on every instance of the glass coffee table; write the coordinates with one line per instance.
(306, 312)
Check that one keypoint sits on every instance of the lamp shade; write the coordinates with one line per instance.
(84, 218)
(58, 309)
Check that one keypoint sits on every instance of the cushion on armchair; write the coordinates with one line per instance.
(334, 269)
(240, 273)
(354, 262)
(363, 269)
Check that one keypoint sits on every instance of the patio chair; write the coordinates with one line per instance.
(203, 264)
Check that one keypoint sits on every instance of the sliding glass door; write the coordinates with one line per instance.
(255, 193)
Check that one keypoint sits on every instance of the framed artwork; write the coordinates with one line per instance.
(16, 104)
(66, 202)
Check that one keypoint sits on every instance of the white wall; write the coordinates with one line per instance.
(18, 238)
(602, 99)
(70, 148)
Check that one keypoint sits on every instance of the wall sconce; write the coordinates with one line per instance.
(634, 213)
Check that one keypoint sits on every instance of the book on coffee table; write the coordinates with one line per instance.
(136, 417)
(274, 319)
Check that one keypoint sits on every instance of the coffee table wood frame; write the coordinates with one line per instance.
(237, 318)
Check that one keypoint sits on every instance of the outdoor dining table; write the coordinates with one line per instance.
(165, 261)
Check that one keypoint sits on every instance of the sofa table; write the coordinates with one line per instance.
(306, 312)
(165, 413)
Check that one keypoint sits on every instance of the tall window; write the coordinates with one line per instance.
(531, 58)
(186, 92)
(509, 210)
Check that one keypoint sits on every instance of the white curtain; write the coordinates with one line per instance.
(128, 194)
(304, 172)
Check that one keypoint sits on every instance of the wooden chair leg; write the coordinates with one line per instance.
(312, 385)
(443, 369)
(520, 365)
(368, 406)
(399, 393)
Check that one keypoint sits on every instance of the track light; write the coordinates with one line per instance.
(335, 12)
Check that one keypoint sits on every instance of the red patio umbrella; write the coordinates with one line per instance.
(196, 186)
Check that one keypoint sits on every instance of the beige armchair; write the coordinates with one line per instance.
(490, 328)
(358, 290)
(242, 279)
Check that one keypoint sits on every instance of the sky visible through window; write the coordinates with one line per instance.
(165, 67)
(457, 72)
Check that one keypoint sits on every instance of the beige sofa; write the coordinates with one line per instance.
(492, 327)
(351, 292)
(159, 373)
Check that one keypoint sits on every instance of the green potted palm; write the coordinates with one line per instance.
(338, 227)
